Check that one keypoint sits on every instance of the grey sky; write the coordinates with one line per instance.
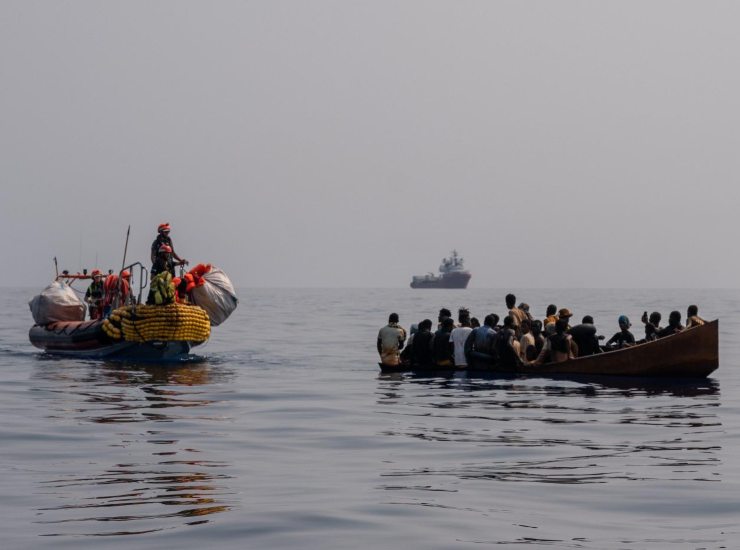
(356, 143)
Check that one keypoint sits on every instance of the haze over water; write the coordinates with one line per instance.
(287, 436)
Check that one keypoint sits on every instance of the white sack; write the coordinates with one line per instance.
(217, 296)
(57, 302)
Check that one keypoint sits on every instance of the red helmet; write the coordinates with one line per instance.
(163, 227)
(126, 275)
(165, 248)
(95, 272)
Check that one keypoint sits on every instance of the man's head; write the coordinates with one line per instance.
(536, 327)
(443, 314)
(96, 275)
(587, 320)
(655, 318)
(674, 319)
(164, 229)
(510, 301)
(490, 320)
(508, 321)
(393, 318)
(561, 325)
(624, 322)
(693, 310)
(463, 315)
(551, 310)
(565, 313)
(448, 323)
(526, 326)
(425, 325)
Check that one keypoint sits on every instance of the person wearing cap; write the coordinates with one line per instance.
(94, 294)
(163, 238)
(164, 261)
(564, 314)
(624, 337)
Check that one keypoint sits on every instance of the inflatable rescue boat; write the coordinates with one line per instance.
(177, 317)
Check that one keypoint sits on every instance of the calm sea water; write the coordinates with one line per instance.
(285, 435)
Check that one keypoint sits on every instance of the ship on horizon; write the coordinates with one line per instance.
(452, 274)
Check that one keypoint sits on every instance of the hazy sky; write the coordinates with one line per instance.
(344, 143)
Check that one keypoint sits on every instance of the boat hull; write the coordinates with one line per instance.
(86, 339)
(449, 280)
(692, 353)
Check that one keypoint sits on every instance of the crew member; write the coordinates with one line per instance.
(163, 237)
(94, 295)
(165, 262)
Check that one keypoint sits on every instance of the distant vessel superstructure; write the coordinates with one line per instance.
(452, 274)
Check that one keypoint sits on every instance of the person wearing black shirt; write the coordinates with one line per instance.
(585, 337)
(163, 238)
(624, 337)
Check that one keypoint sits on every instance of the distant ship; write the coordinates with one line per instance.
(452, 274)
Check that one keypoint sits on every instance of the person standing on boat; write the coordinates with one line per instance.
(94, 295)
(458, 337)
(163, 238)
(517, 314)
(390, 341)
(164, 261)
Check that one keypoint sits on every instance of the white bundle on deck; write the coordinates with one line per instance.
(217, 296)
(57, 302)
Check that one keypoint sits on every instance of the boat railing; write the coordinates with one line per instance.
(143, 278)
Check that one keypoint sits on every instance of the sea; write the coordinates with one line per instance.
(281, 433)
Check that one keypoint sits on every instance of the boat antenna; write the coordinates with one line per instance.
(56, 268)
(125, 248)
(123, 264)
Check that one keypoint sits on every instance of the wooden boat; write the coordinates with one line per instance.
(691, 353)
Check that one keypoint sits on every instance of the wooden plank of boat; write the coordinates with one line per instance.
(690, 353)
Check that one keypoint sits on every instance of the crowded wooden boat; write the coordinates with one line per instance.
(522, 344)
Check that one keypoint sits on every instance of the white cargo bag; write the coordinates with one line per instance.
(217, 296)
(57, 302)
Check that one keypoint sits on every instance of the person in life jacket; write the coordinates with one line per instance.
(116, 293)
(165, 262)
(163, 237)
(94, 295)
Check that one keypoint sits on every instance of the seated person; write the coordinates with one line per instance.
(442, 348)
(692, 317)
(652, 325)
(506, 345)
(479, 344)
(624, 337)
(421, 353)
(558, 347)
(674, 325)
(584, 335)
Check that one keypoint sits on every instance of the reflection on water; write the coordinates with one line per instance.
(553, 431)
(153, 482)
